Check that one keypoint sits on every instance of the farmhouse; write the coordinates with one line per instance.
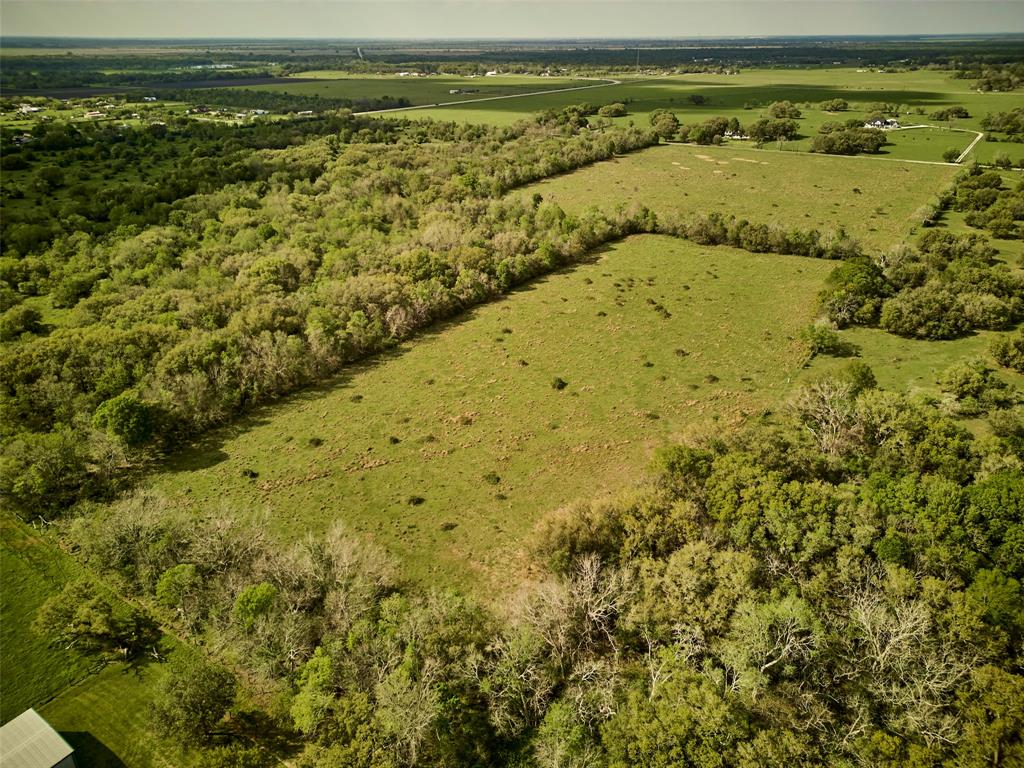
(28, 741)
(884, 124)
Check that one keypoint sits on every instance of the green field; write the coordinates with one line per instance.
(100, 710)
(106, 719)
(747, 95)
(873, 200)
(475, 397)
(32, 670)
(910, 365)
(431, 89)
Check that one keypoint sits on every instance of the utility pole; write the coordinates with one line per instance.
(638, 59)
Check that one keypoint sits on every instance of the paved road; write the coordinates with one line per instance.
(602, 84)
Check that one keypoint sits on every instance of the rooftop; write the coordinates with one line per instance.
(28, 741)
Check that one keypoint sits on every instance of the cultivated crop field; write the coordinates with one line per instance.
(447, 451)
(874, 201)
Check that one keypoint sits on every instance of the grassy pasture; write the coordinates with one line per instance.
(447, 451)
(784, 188)
(747, 95)
(910, 365)
(421, 90)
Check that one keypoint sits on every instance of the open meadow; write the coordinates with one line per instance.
(747, 95)
(448, 450)
(873, 201)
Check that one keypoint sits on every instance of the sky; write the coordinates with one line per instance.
(503, 19)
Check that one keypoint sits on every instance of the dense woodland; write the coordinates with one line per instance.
(836, 584)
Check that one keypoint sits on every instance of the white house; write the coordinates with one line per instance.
(885, 124)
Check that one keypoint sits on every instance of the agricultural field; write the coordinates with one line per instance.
(747, 95)
(427, 90)
(873, 201)
(447, 451)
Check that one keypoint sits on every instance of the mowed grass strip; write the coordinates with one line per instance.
(31, 670)
(106, 719)
(872, 200)
(447, 451)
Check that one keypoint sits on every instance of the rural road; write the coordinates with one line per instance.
(603, 84)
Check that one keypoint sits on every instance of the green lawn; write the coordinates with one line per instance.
(106, 719)
(466, 419)
(874, 200)
(31, 670)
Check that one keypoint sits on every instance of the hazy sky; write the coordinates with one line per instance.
(503, 18)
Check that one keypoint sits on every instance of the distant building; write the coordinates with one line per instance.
(92, 115)
(884, 124)
(28, 741)
(257, 111)
(26, 109)
(149, 98)
(305, 112)
(492, 73)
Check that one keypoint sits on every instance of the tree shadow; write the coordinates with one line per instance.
(90, 752)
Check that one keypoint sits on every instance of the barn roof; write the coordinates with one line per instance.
(28, 741)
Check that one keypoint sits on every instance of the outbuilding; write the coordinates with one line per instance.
(28, 741)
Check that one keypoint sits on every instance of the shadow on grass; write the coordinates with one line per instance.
(90, 752)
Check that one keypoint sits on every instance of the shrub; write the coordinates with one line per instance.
(835, 105)
(951, 154)
(612, 110)
(925, 313)
(1008, 350)
(18, 320)
(559, 383)
(784, 110)
(823, 340)
(253, 603)
(128, 418)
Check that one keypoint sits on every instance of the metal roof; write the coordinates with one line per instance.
(28, 741)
